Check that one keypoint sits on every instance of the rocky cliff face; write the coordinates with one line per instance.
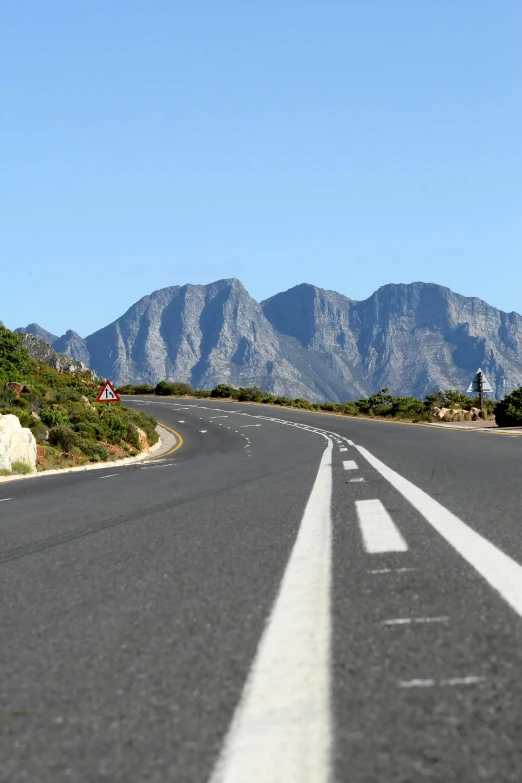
(307, 341)
(41, 351)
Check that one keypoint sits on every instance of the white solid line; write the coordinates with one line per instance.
(497, 568)
(350, 464)
(2, 500)
(351, 443)
(378, 530)
(410, 620)
(110, 475)
(281, 730)
(343, 449)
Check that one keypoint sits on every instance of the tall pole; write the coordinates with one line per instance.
(481, 393)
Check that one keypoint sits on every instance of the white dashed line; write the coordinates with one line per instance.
(181, 421)
(111, 475)
(389, 570)
(378, 530)
(203, 430)
(470, 680)
(498, 569)
(344, 448)
(281, 731)
(350, 464)
(411, 620)
(2, 500)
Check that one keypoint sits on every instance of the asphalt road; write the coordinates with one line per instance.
(289, 598)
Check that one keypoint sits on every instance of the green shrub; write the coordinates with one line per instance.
(20, 467)
(132, 435)
(250, 394)
(202, 393)
(39, 430)
(14, 358)
(23, 415)
(86, 430)
(116, 426)
(177, 389)
(300, 402)
(65, 438)
(282, 401)
(54, 417)
(94, 451)
(223, 390)
(508, 412)
(328, 406)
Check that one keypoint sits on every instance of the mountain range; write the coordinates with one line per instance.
(305, 342)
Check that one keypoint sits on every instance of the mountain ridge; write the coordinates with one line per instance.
(306, 341)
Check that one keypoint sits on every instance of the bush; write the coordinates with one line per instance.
(54, 417)
(141, 388)
(202, 393)
(508, 412)
(64, 438)
(20, 467)
(300, 402)
(250, 394)
(223, 390)
(116, 425)
(132, 436)
(14, 358)
(282, 401)
(23, 415)
(177, 389)
(94, 451)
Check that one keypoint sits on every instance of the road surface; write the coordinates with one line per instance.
(288, 598)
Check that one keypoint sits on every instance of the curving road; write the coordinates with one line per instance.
(288, 598)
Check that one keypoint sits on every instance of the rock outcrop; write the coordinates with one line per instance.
(42, 352)
(17, 444)
(307, 342)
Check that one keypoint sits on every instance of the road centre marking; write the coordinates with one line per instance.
(498, 569)
(3, 500)
(430, 683)
(281, 731)
(111, 475)
(344, 448)
(379, 532)
(350, 464)
(411, 620)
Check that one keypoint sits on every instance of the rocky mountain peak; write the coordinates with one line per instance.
(307, 341)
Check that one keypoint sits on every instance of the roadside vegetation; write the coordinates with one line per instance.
(451, 405)
(60, 409)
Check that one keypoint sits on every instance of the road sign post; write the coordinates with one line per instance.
(107, 393)
(481, 391)
(480, 384)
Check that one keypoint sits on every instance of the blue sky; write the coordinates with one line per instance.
(345, 143)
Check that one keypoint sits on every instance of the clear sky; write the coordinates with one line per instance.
(345, 143)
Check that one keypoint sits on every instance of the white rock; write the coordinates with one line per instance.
(17, 444)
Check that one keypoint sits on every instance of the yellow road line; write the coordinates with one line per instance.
(178, 445)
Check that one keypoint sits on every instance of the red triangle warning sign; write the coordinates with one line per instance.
(107, 393)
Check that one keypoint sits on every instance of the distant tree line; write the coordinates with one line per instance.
(508, 412)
